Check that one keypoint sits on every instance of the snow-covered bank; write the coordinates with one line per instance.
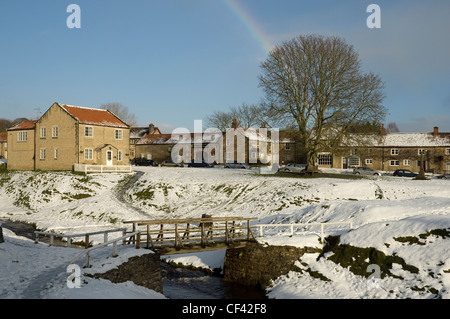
(387, 213)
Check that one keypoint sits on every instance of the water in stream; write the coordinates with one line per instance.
(182, 283)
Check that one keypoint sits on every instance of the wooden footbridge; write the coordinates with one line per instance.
(180, 235)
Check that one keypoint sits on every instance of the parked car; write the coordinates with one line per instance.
(236, 165)
(169, 163)
(293, 167)
(201, 164)
(444, 176)
(144, 162)
(404, 173)
(3, 162)
(364, 170)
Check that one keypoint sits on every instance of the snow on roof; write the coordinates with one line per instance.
(24, 125)
(416, 139)
(92, 116)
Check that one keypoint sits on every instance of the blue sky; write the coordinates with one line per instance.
(175, 61)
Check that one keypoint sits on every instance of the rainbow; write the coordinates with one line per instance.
(255, 30)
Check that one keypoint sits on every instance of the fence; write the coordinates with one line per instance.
(113, 241)
(102, 168)
(322, 225)
(181, 232)
(85, 235)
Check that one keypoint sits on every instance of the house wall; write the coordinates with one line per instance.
(60, 151)
(4, 150)
(393, 158)
(21, 153)
(103, 135)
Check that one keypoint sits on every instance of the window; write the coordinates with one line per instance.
(43, 132)
(394, 151)
(42, 154)
(394, 163)
(254, 155)
(88, 154)
(421, 151)
(407, 162)
(89, 131)
(119, 155)
(118, 134)
(324, 159)
(22, 136)
(353, 161)
(228, 142)
(228, 156)
(369, 161)
(287, 147)
(55, 131)
(447, 151)
(55, 153)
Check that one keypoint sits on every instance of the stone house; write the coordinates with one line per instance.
(136, 133)
(3, 145)
(66, 135)
(20, 141)
(218, 147)
(392, 151)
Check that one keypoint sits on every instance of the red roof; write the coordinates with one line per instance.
(25, 125)
(94, 116)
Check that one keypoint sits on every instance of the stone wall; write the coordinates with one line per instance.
(257, 265)
(143, 270)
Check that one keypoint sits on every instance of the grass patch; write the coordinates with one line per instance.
(357, 259)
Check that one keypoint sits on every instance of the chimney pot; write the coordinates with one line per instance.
(436, 130)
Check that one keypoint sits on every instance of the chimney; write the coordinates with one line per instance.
(263, 125)
(151, 128)
(436, 131)
(234, 124)
(383, 130)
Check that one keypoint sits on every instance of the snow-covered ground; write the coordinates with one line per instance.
(380, 209)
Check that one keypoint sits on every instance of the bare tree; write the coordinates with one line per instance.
(316, 83)
(392, 128)
(122, 112)
(247, 115)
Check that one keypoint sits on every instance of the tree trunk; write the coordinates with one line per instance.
(2, 240)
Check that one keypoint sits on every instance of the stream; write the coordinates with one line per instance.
(178, 283)
(183, 283)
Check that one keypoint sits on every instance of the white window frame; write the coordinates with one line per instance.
(394, 151)
(394, 163)
(324, 159)
(22, 136)
(369, 161)
(88, 131)
(88, 154)
(43, 132)
(406, 162)
(55, 131)
(118, 134)
(42, 154)
(447, 151)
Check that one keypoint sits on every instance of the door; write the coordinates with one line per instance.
(109, 158)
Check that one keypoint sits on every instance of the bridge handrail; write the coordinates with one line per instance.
(322, 225)
(112, 241)
(86, 235)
